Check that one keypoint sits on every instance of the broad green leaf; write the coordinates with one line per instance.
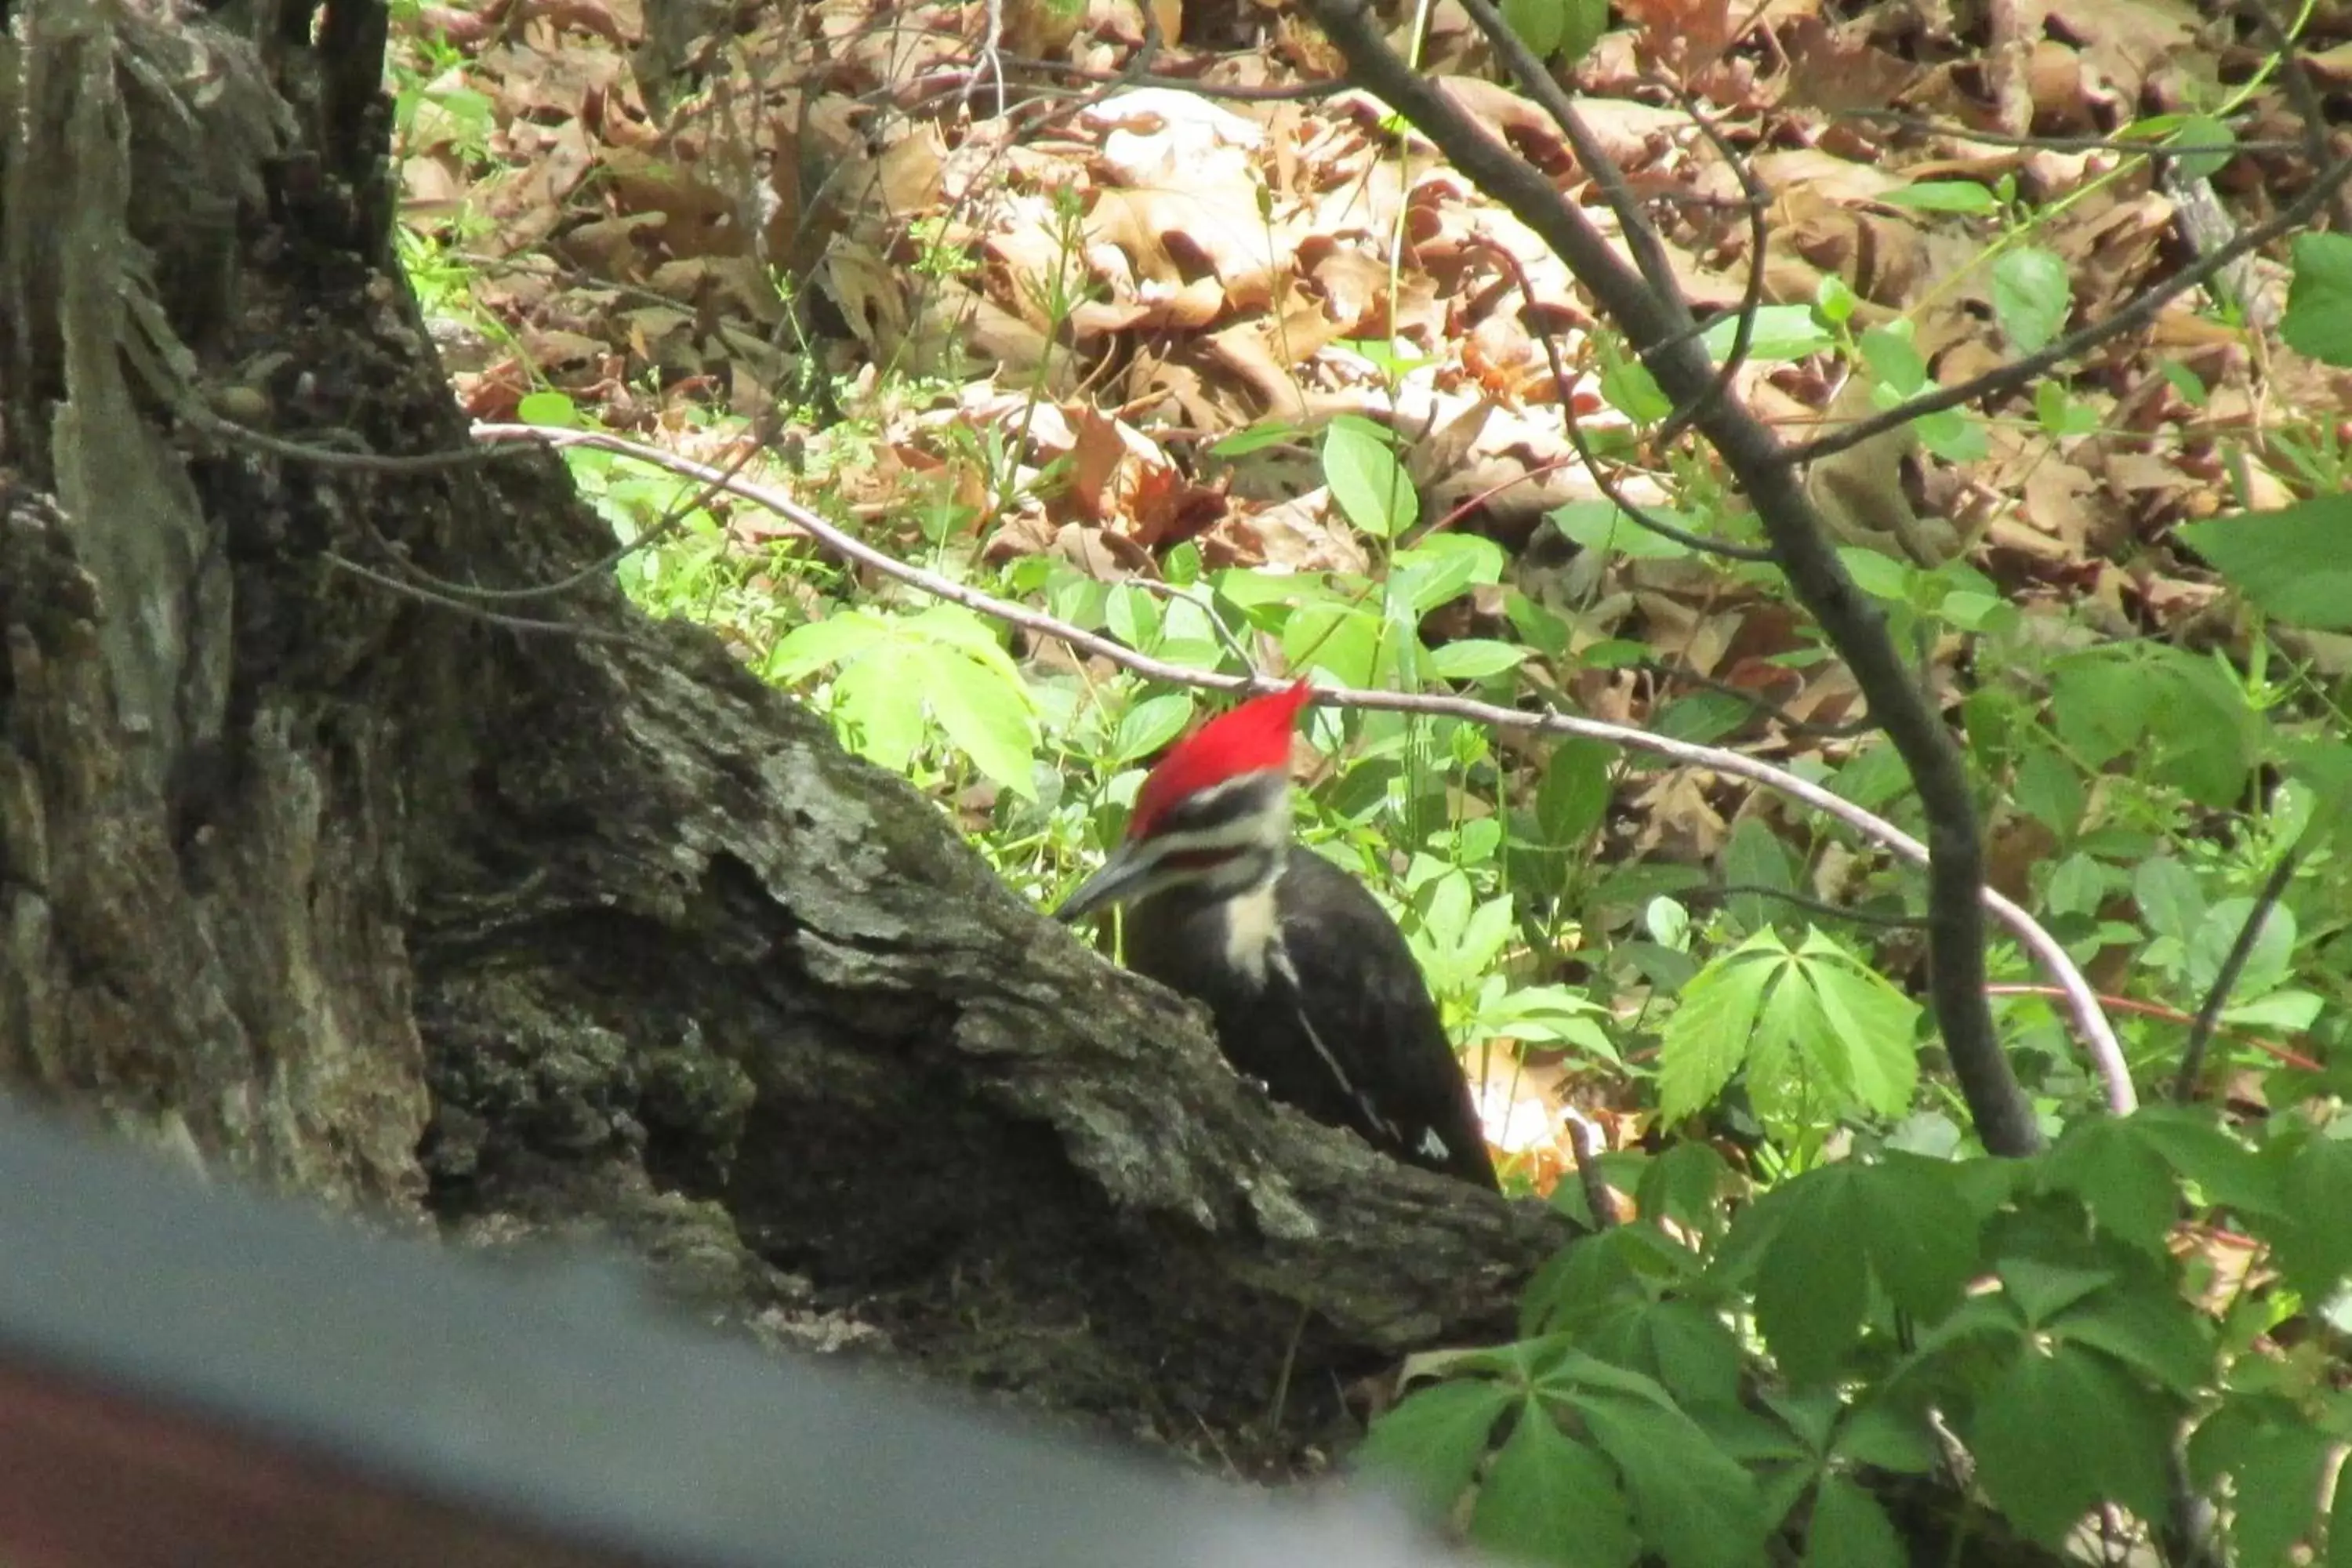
(1755, 857)
(1574, 794)
(1587, 21)
(1475, 658)
(2224, 1171)
(2044, 1287)
(2033, 294)
(2101, 704)
(1550, 1498)
(2210, 143)
(1943, 196)
(2060, 1434)
(806, 649)
(1919, 1230)
(1133, 616)
(1431, 1443)
(2318, 321)
(1440, 568)
(2121, 1178)
(2050, 790)
(2276, 1458)
(2147, 1328)
(2169, 899)
(1340, 639)
(2293, 562)
(878, 700)
(1869, 1044)
(1372, 488)
(2315, 1243)
(1541, 25)
(1815, 1285)
(1851, 1531)
(1692, 1352)
(2265, 966)
(1707, 1037)
(1890, 1437)
(985, 715)
(1693, 1504)
(1598, 525)
(1782, 332)
(1149, 725)
(1893, 359)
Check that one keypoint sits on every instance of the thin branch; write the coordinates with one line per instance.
(2142, 309)
(2201, 1032)
(2099, 1037)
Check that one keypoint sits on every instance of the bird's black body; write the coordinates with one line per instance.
(1316, 994)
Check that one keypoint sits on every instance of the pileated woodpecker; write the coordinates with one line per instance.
(1311, 985)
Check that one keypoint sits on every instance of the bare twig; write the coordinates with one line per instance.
(2201, 1032)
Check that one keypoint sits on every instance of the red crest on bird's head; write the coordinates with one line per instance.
(1251, 739)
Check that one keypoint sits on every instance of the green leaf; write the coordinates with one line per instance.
(878, 700)
(2101, 703)
(2293, 562)
(1815, 1284)
(1895, 361)
(2318, 321)
(1868, 1047)
(2276, 1458)
(2141, 1323)
(1707, 1037)
(1133, 618)
(1598, 525)
(2049, 791)
(1149, 725)
(2168, 898)
(2044, 1287)
(1782, 332)
(1890, 1437)
(985, 715)
(2218, 933)
(2315, 1243)
(2033, 294)
(1755, 857)
(1372, 488)
(1851, 1531)
(1475, 658)
(1693, 1504)
(1431, 1443)
(1574, 794)
(1920, 1229)
(1550, 1498)
(1541, 25)
(2203, 130)
(1943, 196)
(2121, 1178)
(806, 649)
(2062, 1432)
(1442, 567)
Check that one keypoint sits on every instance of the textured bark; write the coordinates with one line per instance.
(581, 932)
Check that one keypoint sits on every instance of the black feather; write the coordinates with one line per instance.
(1341, 1026)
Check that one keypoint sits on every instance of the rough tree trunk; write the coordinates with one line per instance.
(518, 933)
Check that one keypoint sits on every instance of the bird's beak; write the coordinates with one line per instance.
(1121, 876)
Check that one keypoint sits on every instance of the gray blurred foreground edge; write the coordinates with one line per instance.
(199, 1378)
